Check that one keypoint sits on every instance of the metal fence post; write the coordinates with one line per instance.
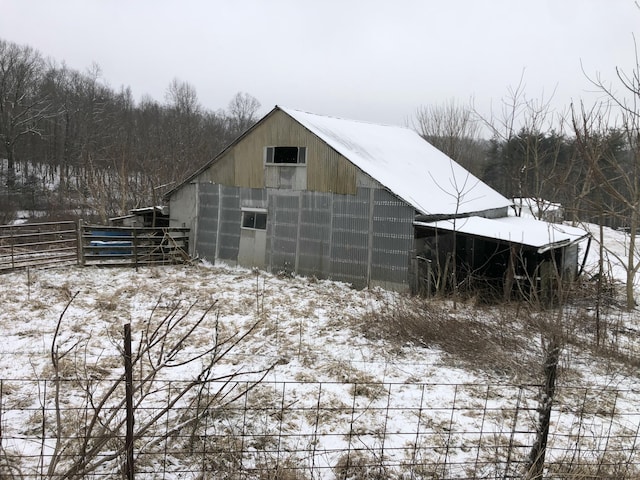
(80, 245)
(135, 248)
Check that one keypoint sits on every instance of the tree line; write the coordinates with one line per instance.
(71, 145)
(576, 160)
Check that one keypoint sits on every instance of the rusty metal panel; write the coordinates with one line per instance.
(392, 230)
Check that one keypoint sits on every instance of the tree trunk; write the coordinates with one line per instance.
(631, 259)
(11, 168)
(538, 451)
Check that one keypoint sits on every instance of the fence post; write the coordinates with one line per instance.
(135, 248)
(80, 247)
(128, 371)
(13, 240)
(1, 400)
(538, 451)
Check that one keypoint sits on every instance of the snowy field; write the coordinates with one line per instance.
(332, 380)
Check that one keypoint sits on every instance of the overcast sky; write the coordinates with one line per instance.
(371, 60)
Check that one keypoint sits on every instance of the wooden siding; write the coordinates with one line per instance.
(243, 164)
(222, 171)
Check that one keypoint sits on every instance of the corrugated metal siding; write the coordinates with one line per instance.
(208, 202)
(350, 238)
(286, 177)
(230, 217)
(393, 238)
(282, 231)
(314, 252)
(253, 197)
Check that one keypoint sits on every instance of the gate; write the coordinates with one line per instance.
(132, 246)
(69, 243)
(38, 244)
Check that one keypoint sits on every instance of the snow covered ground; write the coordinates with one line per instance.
(336, 383)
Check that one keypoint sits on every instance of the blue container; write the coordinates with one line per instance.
(106, 244)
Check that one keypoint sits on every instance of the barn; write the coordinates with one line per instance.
(356, 202)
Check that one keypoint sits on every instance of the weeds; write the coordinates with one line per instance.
(360, 466)
(500, 349)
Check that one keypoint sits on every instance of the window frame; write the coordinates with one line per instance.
(270, 154)
(257, 213)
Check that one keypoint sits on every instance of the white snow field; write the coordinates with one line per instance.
(345, 388)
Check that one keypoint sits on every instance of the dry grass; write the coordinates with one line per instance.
(359, 466)
(506, 340)
(504, 347)
(10, 467)
(288, 469)
(501, 341)
(601, 467)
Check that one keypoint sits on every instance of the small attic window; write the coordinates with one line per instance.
(286, 155)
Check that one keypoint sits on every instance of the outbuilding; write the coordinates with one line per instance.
(351, 201)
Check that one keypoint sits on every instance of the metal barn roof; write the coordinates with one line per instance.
(524, 231)
(405, 163)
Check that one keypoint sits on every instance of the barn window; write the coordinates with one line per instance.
(254, 219)
(286, 155)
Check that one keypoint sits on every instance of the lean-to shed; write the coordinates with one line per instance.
(332, 198)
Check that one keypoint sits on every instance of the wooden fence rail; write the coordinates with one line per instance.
(71, 243)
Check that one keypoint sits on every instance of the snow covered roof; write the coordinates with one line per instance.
(525, 231)
(405, 163)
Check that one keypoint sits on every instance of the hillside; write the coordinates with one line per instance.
(349, 382)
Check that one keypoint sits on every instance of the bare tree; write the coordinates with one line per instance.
(242, 112)
(21, 108)
(454, 130)
(184, 144)
(81, 134)
(530, 154)
(593, 144)
(616, 176)
(182, 97)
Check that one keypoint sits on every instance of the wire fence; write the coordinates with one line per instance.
(74, 428)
